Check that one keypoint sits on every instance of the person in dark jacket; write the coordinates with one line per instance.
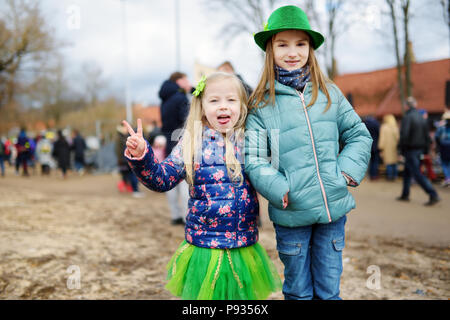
(373, 126)
(78, 147)
(442, 138)
(174, 106)
(129, 180)
(23, 152)
(174, 110)
(414, 142)
(61, 152)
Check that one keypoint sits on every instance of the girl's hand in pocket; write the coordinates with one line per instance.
(135, 142)
(285, 200)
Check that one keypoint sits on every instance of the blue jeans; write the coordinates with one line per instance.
(2, 165)
(373, 165)
(446, 168)
(391, 171)
(412, 169)
(312, 258)
(79, 165)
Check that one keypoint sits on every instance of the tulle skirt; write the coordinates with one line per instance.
(196, 273)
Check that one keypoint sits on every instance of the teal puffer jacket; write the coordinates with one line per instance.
(291, 148)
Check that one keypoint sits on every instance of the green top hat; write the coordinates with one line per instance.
(287, 18)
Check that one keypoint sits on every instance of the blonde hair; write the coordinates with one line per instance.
(193, 130)
(318, 79)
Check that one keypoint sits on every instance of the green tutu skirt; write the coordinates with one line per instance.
(196, 273)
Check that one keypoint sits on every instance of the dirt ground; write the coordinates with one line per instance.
(53, 230)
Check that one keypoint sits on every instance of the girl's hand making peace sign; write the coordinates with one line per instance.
(136, 144)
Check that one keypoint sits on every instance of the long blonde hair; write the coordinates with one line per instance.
(318, 79)
(193, 130)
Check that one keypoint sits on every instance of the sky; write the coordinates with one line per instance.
(94, 33)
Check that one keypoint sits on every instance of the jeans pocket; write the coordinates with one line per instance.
(289, 248)
(339, 244)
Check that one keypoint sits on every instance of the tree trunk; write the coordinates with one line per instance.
(397, 53)
(405, 7)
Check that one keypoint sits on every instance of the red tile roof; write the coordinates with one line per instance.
(377, 92)
(148, 114)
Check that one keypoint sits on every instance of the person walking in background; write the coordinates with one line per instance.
(227, 67)
(44, 150)
(8, 150)
(427, 159)
(414, 140)
(23, 152)
(61, 152)
(78, 147)
(387, 144)
(298, 117)
(128, 182)
(174, 110)
(442, 138)
(373, 126)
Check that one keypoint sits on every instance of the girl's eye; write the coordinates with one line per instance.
(213, 100)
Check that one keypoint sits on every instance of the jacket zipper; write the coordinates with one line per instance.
(324, 195)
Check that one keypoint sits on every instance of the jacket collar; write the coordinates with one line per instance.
(211, 134)
(281, 89)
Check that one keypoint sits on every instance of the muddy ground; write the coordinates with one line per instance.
(53, 229)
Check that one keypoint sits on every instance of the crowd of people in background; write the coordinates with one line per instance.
(423, 151)
(48, 150)
(422, 146)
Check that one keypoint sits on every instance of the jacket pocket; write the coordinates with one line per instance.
(289, 248)
(341, 179)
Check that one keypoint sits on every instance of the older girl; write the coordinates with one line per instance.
(296, 124)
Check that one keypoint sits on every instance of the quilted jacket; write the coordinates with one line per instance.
(221, 214)
(293, 148)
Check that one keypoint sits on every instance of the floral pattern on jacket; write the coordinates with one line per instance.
(221, 213)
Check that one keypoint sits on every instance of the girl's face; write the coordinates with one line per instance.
(291, 49)
(221, 105)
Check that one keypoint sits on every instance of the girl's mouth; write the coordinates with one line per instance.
(292, 62)
(223, 119)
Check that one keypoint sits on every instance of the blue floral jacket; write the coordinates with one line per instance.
(221, 214)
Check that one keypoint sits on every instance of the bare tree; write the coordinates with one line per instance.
(332, 25)
(23, 37)
(393, 15)
(446, 12)
(94, 82)
(405, 5)
(246, 16)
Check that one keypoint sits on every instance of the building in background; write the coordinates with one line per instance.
(376, 93)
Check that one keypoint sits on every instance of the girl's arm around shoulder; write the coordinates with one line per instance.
(158, 176)
(266, 179)
(354, 157)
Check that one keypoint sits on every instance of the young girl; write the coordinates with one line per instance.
(299, 119)
(220, 257)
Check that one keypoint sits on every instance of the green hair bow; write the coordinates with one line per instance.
(200, 87)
